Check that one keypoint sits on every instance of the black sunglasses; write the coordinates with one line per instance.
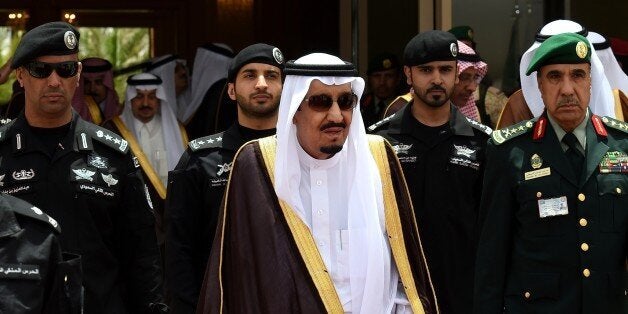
(40, 70)
(323, 102)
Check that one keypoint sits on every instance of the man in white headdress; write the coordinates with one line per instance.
(615, 75)
(154, 135)
(209, 80)
(317, 219)
(527, 104)
(174, 74)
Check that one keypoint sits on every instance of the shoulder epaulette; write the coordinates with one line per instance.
(4, 127)
(615, 124)
(23, 208)
(379, 123)
(477, 125)
(108, 138)
(210, 141)
(502, 135)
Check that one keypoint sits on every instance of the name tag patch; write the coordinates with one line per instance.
(537, 173)
(19, 271)
(553, 207)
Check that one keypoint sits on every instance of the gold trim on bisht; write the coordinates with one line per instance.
(303, 238)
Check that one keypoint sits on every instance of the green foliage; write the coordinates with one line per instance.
(123, 47)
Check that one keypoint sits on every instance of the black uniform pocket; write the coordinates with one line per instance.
(613, 189)
(528, 194)
(67, 291)
(533, 286)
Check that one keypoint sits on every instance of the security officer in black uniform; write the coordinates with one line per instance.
(555, 199)
(197, 184)
(34, 275)
(81, 175)
(442, 156)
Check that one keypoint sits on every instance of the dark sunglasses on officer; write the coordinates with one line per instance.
(38, 69)
(323, 102)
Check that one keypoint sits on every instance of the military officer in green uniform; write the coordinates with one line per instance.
(555, 206)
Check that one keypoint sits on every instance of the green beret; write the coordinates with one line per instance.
(434, 45)
(382, 62)
(463, 32)
(54, 38)
(566, 48)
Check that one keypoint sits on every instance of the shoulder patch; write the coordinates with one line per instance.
(502, 135)
(477, 125)
(210, 141)
(5, 125)
(615, 124)
(109, 138)
(23, 208)
(377, 124)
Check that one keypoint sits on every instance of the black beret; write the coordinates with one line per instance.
(434, 45)
(256, 53)
(382, 62)
(54, 38)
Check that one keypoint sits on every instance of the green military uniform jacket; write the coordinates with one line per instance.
(574, 259)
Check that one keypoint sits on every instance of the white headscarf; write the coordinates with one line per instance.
(615, 75)
(602, 101)
(173, 141)
(373, 283)
(211, 64)
(164, 67)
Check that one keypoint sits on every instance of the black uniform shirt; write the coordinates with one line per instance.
(443, 167)
(195, 190)
(90, 185)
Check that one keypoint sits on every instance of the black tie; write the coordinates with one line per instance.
(574, 155)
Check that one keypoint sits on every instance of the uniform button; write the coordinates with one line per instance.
(319, 182)
(618, 190)
(584, 247)
(320, 211)
(527, 295)
(583, 222)
(581, 197)
(586, 272)
(539, 194)
(321, 243)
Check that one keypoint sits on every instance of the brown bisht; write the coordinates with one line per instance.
(264, 259)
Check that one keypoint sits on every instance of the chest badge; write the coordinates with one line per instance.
(23, 174)
(224, 168)
(84, 174)
(97, 161)
(464, 151)
(536, 161)
(402, 148)
(109, 179)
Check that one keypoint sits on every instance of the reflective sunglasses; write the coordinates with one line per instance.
(323, 102)
(41, 70)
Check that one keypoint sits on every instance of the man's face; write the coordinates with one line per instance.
(468, 82)
(566, 91)
(50, 96)
(145, 105)
(180, 78)
(432, 82)
(257, 90)
(321, 134)
(95, 87)
(383, 84)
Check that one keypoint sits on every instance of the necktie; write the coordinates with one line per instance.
(572, 153)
